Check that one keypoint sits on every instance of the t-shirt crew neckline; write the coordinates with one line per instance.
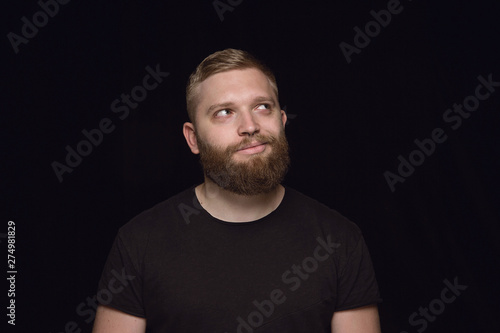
(258, 221)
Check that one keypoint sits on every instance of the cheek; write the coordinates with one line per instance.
(277, 126)
(220, 138)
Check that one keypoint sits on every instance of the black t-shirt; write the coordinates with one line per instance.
(186, 271)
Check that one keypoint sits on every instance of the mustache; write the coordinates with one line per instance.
(269, 139)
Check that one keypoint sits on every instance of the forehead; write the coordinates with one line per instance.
(237, 85)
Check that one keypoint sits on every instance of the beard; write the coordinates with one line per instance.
(257, 175)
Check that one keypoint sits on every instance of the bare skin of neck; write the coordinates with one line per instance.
(231, 207)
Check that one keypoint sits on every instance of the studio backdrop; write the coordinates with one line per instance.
(393, 114)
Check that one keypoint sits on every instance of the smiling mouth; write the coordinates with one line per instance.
(253, 148)
(253, 145)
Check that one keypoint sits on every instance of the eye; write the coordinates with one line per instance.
(263, 106)
(222, 113)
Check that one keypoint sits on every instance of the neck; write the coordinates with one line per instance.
(232, 207)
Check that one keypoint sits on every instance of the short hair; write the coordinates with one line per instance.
(218, 62)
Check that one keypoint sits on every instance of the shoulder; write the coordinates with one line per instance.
(165, 214)
(321, 216)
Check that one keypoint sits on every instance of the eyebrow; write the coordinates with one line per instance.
(258, 99)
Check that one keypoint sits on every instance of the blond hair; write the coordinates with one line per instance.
(218, 62)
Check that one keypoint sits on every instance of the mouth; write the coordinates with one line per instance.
(253, 148)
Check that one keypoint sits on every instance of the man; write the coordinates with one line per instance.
(240, 252)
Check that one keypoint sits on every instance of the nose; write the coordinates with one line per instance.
(248, 124)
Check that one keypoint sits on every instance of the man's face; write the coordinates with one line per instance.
(240, 132)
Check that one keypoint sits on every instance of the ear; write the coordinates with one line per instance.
(190, 136)
(283, 118)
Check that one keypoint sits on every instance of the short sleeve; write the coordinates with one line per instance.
(357, 285)
(120, 285)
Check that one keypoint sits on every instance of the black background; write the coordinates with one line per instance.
(348, 123)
